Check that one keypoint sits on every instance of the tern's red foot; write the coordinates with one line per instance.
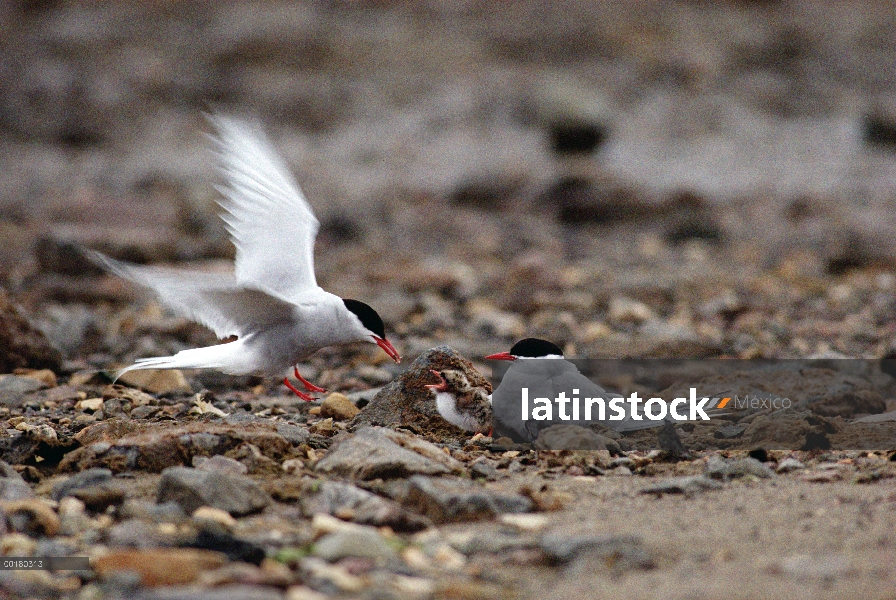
(491, 431)
(308, 385)
(301, 395)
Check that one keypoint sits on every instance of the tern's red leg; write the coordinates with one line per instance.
(491, 430)
(301, 395)
(308, 385)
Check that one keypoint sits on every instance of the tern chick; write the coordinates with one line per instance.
(271, 302)
(461, 404)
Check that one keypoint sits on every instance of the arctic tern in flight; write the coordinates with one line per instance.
(271, 302)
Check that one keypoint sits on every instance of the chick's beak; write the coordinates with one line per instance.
(501, 356)
(441, 386)
(387, 348)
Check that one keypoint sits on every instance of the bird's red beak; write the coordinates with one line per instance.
(441, 386)
(501, 356)
(387, 348)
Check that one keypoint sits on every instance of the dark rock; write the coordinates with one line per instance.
(13, 389)
(879, 131)
(21, 344)
(88, 478)
(407, 402)
(220, 540)
(192, 488)
(759, 454)
(576, 137)
(376, 452)
(447, 501)
(360, 506)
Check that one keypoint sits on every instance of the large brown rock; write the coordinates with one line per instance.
(406, 402)
(21, 344)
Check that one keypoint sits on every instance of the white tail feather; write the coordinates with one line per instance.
(227, 358)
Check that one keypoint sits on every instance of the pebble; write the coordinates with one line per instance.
(84, 479)
(361, 542)
(160, 382)
(192, 488)
(682, 485)
(564, 548)
(32, 516)
(360, 506)
(525, 522)
(376, 452)
(220, 464)
(446, 501)
(626, 310)
(215, 515)
(339, 407)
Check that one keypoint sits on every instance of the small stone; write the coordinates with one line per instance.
(336, 575)
(483, 469)
(215, 515)
(12, 486)
(525, 522)
(789, 464)
(682, 485)
(376, 452)
(820, 568)
(154, 381)
(220, 464)
(362, 542)
(360, 506)
(32, 516)
(45, 376)
(91, 404)
(14, 387)
(338, 407)
(719, 468)
(88, 478)
(627, 549)
(447, 501)
(159, 566)
(303, 592)
(626, 310)
(21, 344)
(192, 488)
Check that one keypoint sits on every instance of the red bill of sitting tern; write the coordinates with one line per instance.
(271, 301)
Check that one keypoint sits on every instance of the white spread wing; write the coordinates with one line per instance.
(212, 299)
(269, 221)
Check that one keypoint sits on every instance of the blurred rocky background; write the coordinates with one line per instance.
(640, 179)
(626, 179)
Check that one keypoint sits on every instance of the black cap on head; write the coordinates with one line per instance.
(369, 318)
(535, 348)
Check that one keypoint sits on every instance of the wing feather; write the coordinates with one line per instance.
(269, 221)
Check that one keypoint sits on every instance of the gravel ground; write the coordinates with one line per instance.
(681, 179)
